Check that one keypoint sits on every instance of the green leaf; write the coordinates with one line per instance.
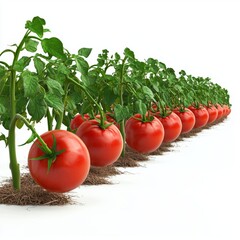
(38, 64)
(30, 139)
(31, 45)
(141, 107)
(21, 64)
(2, 109)
(54, 87)
(129, 53)
(85, 52)
(54, 47)
(36, 26)
(54, 101)
(121, 112)
(30, 84)
(63, 69)
(37, 107)
(147, 91)
(4, 105)
(3, 138)
(82, 65)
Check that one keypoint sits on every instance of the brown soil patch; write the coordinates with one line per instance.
(99, 175)
(30, 194)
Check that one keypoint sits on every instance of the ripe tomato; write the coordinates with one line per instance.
(78, 120)
(187, 118)
(172, 126)
(213, 113)
(201, 116)
(70, 168)
(104, 145)
(220, 111)
(144, 137)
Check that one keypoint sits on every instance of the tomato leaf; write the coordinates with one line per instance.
(30, 83)
(4, 105)
(148, 92)
(54, 101)
(54, 87)
(29, 140)
(121, 112)
(54, 47)
(3, 138)
(21, 64)
(82, 65)
(37, 107)
(141, 107)
(36, 26)
(85, 52)
(2, 108)
(129, 53)
(31, 45)
(39, 65)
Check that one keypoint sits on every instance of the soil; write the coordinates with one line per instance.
(30, 194)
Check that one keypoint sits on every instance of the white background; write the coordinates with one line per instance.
(190, 193)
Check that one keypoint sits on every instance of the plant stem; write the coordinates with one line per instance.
(14, 166)
(121, 90)
(47, 150)
(49, 120)
(102, 124)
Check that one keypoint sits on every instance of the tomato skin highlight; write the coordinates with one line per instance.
(172, 127)
(201, 116)
(70, 168)
(78, 120)
(213, 113)
(187, 118)
(104, 145)
(144, 137)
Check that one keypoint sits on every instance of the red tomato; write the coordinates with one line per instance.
(187, 118)
(78, 120)
(70, 168)
(213, 113)
(104, 145)
(228, 110)
(220, 111)
(144, 137)
(201, 116)
(172, 127)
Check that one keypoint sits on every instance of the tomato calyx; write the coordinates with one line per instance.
(144, 118)
(50, 156)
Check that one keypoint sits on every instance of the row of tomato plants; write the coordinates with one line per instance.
(117, 101)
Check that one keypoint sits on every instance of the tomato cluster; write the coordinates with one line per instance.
(117, 101)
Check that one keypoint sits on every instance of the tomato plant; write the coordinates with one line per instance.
(104, 145)
(144, 136)
(63, 170)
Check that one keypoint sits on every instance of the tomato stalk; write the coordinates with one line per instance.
(14, 166)
(102, 123)
(121, 91)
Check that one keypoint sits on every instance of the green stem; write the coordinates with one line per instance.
(49, 120)
(102, 124)
(14, 166)
(121, 91)
(47, 150)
